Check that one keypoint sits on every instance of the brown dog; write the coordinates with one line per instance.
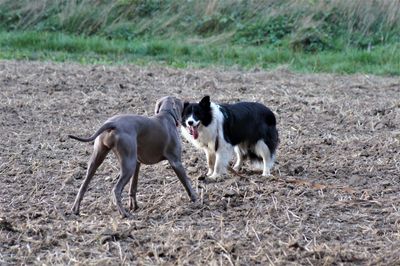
(137, 139)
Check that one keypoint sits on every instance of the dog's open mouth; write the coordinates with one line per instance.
(193, 131)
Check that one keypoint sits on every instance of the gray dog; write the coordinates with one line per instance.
(137, 139)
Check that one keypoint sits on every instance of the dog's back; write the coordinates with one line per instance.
(246, 123)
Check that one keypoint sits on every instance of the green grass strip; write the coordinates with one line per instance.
(382, 60)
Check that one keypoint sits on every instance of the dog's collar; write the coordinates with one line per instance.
(173, 116)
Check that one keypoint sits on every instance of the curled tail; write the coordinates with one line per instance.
(106, 126)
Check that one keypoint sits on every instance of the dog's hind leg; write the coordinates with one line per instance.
(126, 153)
(127, 170)
(133, 205)
(99, 153)
(263, 151)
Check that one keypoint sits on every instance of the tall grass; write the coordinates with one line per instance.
(309, 25)
(306, 35)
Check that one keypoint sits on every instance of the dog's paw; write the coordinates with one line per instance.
(210, 172)
(266, 173)
(71, 215)
(75, 210)
(214, 176)
(126, 215)
(236, 168)
(193, 199)
(133, 205)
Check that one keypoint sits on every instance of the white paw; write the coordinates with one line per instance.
(214, 176)
(266, 173)
(236, 168)
(210, 172)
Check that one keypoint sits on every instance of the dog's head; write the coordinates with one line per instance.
(171, 105)
(196, 115)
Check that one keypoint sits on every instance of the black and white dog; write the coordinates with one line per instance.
(247, 128)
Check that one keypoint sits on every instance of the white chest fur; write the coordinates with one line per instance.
(217, 159)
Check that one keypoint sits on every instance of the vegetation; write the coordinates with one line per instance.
(314, 35)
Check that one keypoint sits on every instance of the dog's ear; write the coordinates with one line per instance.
(178, 112)
(205, 102)
(157, 108)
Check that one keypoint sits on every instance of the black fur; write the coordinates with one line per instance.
(248, 122)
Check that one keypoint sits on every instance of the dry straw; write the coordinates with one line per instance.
(334, 197)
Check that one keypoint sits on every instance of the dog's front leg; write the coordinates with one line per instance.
(75, 208)
(239, 159)
(210, 155)
(222, 158)
(180, 172)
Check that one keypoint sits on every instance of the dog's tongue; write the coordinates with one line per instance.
(194, 132)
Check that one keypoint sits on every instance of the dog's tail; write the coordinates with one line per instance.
(104, 127)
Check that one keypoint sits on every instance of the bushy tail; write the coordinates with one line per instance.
(106, 126)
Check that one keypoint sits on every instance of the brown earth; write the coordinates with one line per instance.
(334, 197)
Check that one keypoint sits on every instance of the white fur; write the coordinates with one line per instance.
(191, 119)
(263, 151)
(239, 159)
(217, 161)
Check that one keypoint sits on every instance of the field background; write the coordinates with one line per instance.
(334, 197)
(328, 69)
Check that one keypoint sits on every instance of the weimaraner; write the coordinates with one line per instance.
(137, 139)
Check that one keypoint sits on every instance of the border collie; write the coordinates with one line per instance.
(247, 128)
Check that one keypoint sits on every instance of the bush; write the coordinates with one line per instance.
(262, 32)
(311, 40)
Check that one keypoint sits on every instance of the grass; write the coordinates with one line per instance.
(60, 47)
(337, 36)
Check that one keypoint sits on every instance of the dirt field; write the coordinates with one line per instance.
(334, 197)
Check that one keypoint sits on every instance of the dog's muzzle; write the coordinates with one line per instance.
(193, 130)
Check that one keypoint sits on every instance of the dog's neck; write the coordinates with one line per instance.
(171, 114)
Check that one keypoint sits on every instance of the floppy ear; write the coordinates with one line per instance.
(178, 111)
(157, 108)
(205, 102)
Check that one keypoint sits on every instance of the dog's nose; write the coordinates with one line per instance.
(190, 123)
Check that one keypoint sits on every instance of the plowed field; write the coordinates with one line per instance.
(334, 197)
